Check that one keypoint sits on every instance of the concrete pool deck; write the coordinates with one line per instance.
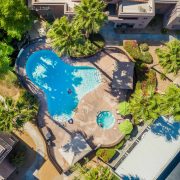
(100, 99)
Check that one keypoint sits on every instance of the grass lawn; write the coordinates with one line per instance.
(9, 86)
(107, 153)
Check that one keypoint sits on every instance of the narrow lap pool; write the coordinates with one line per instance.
(63, 85)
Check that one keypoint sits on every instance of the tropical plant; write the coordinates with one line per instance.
(89, 16)
(64, 36)
(169, 56)
(144, 107)
(170, 102)
(15, 18)
(14, 114)
(123, 108)
(94, 173)
(5, 52)
(89, 47)
(144, 47)
(7, 114)
(125, 127)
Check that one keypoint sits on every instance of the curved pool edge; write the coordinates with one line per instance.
(44, 123)
(53, 76)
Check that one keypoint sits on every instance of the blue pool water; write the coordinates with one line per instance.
(63, 85)
(105, 119)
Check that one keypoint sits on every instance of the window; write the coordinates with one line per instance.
(130, 18)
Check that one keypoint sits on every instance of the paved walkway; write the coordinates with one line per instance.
(113, 38)
(40, 149)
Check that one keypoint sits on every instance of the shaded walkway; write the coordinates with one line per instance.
(113, 38)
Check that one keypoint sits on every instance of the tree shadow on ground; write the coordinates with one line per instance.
(28, 168)
(169, 130)
(78, 143)
(130, 177)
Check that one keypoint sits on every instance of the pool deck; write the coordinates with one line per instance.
(100, 99)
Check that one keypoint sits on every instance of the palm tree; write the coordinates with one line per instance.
(169, 56)
(144, 107)
(170, 102)
(94, 173)
(89, 16)
(14, 114)
(64, 36)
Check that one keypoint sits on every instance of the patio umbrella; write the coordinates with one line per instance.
(123, 108)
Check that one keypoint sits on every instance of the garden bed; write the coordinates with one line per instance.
(139, 53)
(106, 154)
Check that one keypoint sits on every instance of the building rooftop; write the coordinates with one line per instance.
(154, 152)
(137, 6)
(7, 141)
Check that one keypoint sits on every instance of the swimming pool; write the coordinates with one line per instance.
(63, 85)
(105, 120)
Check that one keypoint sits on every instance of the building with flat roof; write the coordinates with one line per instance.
(7, 142)
(154, 151)
(123, 13)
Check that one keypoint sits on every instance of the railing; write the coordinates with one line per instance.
(45, 8)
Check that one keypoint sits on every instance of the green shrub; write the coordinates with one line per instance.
(123, 108)
(125, 127)
(146, 57)
(144, 47)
